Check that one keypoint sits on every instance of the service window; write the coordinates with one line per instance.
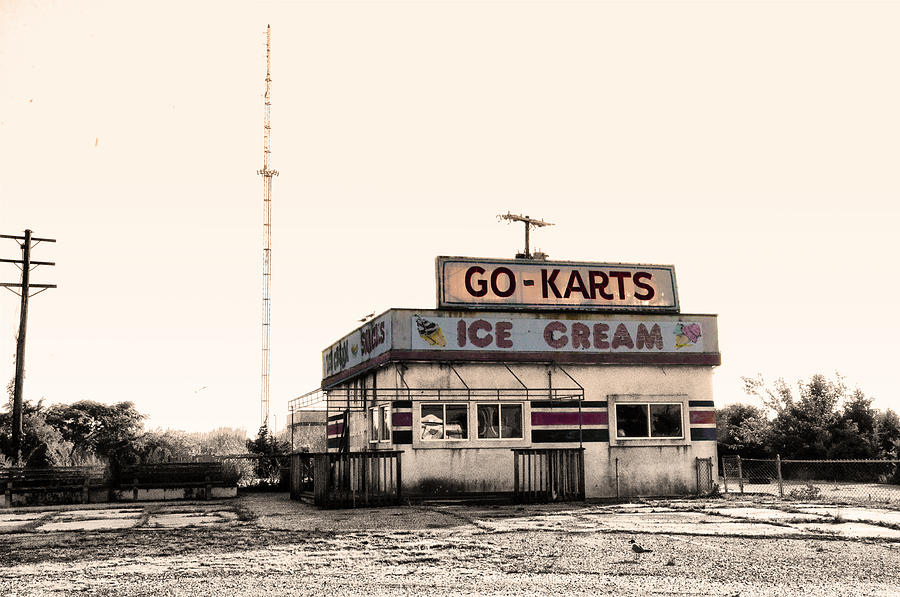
(444, 421)
(385, 423)
(649, 420)
(379, 424)
(499, 421)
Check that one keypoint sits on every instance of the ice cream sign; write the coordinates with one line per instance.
(465, 282)
(550, 335)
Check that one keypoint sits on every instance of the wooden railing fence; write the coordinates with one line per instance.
(549, 475)
(57, 485)
(347, 480)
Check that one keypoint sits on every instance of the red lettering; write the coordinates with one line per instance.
(639, 278)
(621, 337)
(599, 286)
(503, 329)
(574, 277)
(600, 336)
(549, 282)
(461, 332)
(477, 326)
(509, 276)
(620, 276)
(581, 336)
(481, 289)
(555, 326)
(650, 339)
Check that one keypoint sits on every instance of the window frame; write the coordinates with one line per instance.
(438, 441)
(500, 437)
(381, 413)
(636, 401)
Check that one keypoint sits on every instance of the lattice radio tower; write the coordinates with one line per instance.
(267, 174)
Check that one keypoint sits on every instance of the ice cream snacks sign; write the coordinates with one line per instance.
(548, 335)
(362, 344)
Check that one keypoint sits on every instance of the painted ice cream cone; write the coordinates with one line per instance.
(430, 332)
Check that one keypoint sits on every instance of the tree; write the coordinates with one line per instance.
(110, 432)
(854, 432)
(887, 434)
(744, 430)
(270, 451)
(167, 446)
(42, 444)
(221, 441)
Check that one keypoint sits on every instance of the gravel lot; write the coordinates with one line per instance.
(268, 545)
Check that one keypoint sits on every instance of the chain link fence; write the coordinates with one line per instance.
(848, 481)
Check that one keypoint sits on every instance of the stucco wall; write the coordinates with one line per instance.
(634, 467)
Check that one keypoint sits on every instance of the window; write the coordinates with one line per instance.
(649, 420)
(499, 421)
(444, 421)
(379, 424)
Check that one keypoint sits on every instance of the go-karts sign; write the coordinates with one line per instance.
(465, 282)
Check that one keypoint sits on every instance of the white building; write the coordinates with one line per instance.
(528, 356)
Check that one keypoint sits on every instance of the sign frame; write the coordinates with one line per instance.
(443, 302)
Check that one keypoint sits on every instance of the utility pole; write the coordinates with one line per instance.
(267, 173)
(529, 222)
(26, 265)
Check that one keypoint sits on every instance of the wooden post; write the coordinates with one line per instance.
(20, 352)
(780, 481)
(399, 478)
(516, 475)
(740, 475)
(617, 479)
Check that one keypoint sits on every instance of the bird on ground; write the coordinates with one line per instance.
(637, 549)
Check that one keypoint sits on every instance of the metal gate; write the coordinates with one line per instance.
(705, 482)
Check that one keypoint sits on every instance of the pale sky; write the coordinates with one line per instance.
(753, 145)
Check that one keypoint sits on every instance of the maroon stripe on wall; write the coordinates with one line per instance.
(336, 429)
(599, 358)
(402, 419)
(710, 359)
(701, 417)
(569, 418)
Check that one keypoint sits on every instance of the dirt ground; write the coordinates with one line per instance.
(269, 545)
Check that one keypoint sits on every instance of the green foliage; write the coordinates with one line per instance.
(271, 452)
(745, 430)
(42, 444)
(168, 445)
(807, 493)
(822, 418)
(110, 432)
(221, 442)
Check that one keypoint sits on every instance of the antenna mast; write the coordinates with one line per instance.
(267, 174)
(529, 222)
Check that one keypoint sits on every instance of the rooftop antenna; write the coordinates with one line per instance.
(529, 222)
(267, 174)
